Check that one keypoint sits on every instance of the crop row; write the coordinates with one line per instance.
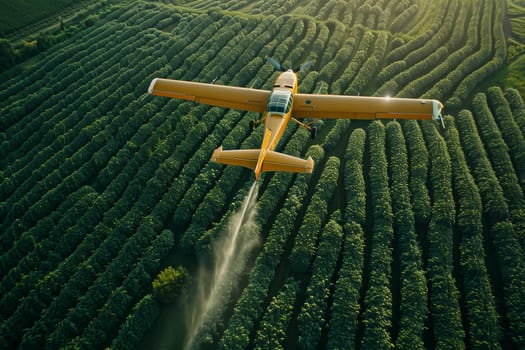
(444, 295)
(315, 217)
(272, 330)
(481, 314)
(345, 306)
(377, 313)
(517, 108)
(311, 319)
(417, 172)
(413, 283)
(500, 159)
(501, 234)
(508, 125)
(490, 57)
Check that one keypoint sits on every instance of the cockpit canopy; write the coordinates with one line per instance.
(280, 102)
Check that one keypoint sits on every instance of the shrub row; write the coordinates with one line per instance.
(444, 295)
(370, 67)
(499, 155)
(272, 329)
(517, 107)
(482, 318)
(507, 123)
(413, 291)
(311, 318)
(377, 308)
(315, 217)
(344, 312)
(501, 234)
(418, 158)
(141, 318)
(491, 56)
(345, 305)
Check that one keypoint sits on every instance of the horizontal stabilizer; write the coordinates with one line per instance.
(273, 161)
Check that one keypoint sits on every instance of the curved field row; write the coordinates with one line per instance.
(101, 184)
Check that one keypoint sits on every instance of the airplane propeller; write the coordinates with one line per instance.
(304, 66)
(279, 67)
(276, 64)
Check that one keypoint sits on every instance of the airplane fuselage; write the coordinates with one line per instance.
(277, 122)
(278, 114)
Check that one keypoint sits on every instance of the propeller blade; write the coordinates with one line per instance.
(276, 64)
(304, 66)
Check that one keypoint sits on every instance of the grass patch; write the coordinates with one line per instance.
(518, 27)
(516, 75)
(514, 9)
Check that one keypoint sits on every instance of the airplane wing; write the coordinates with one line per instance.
(361, 107)
(253, 100)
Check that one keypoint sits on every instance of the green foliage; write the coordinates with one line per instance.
(515, 77)
(345, 307)
(444, 295)
(272, 330)
(99, 180)
(250, 306)
(7, 54)
(501, 231)
(316, 214)
(413, 307)
(510, 131)
(517, 107)
(170, 283)
(311, 319)
(418, 172)
(29, 12)
(482, 317)
(377, 319)
(354, 178)
(136, 324)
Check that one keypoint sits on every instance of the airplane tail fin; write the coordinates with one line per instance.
(273, 161)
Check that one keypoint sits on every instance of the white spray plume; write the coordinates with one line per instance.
(214, 284)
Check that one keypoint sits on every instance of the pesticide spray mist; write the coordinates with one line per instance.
(215, 282)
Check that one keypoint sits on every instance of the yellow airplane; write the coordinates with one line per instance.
(283, 104)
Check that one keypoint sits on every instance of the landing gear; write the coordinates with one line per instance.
(308, 126)
(313, 132)
(254, 123)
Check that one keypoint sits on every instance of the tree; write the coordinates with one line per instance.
(170, 283)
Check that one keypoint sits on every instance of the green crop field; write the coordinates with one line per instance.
(407, 235)
(24, 13)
